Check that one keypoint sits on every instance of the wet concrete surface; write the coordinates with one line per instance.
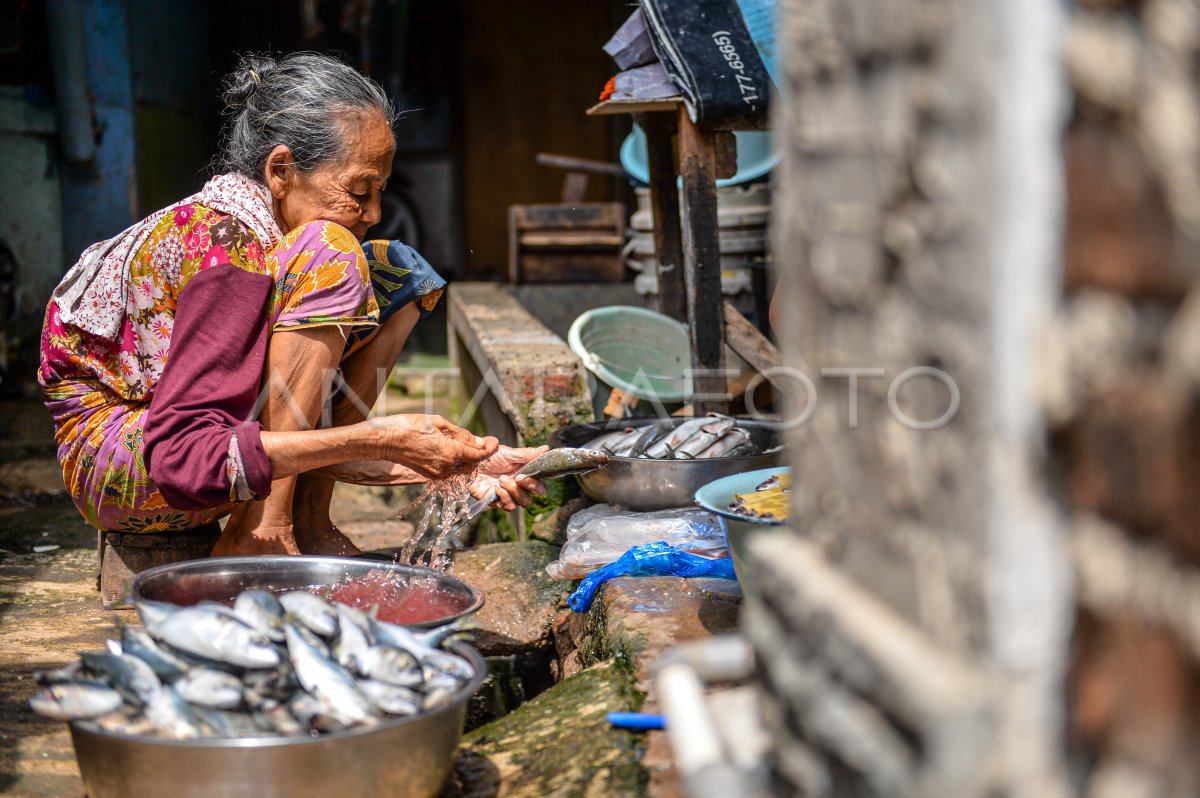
(49, 603)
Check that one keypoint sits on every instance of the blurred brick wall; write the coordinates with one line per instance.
(1123, 394)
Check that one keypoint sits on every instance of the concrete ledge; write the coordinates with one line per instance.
(526, 380)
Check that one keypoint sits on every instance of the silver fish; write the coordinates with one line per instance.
(561, 462)
(309, 711)
(153, 613)
(130, 676)
(438, 635)
(432, 659)
(217, 607)
(220, 723)
(393, 666)
(122, 722)
(312, 638)
(207, 687)
(722, 446)
(637, 448)
(352, 643)
(71, 672)
(311, 611)
(280, 719)
(611, 442)
(137, 643)
(743, 449)
(327, 681)
(672, 440)
(171, 716)
(704, 437)
(438, 695)
(216, 637)
(390, 698)
(72, 701)
(263, 686)
(262, 612)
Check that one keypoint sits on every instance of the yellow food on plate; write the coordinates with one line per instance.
(772, 499)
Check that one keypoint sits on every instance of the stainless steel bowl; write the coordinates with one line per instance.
(222, 578)
(408, 757)
(641, 484)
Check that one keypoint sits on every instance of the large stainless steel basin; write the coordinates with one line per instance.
(222, 578)
(642, 485)
(399, 758)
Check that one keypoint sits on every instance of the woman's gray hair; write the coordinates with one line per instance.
(300, 101)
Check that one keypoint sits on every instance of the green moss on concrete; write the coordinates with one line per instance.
(604, 640)
(495, 526)
(560, 743)
(558, 492)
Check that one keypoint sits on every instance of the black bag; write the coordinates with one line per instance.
(710, 56)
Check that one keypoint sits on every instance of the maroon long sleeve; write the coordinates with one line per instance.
(208, 389)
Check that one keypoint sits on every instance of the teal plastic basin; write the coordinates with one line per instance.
(754, 157)
(642, 352)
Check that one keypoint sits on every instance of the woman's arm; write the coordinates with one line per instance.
(207, 394)
(428, 445)
(370, 472)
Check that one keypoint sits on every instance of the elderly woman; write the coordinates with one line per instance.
(220, 357)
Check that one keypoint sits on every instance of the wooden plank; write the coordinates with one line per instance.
(580, 238)
(702, 264)
(745, 339)
(664, 205)
(726, 147)
(608, 107)
(557, 215)
(571, 265)
(561, 243)
(573, 164)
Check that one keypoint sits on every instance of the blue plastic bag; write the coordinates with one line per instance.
(652, 559)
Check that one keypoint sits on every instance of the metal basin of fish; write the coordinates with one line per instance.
(642, 485)
(410, 757)
(436, 598)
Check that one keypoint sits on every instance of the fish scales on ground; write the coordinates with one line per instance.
(350, 671)
(711, 436)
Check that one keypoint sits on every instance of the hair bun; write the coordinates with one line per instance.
(240, 85)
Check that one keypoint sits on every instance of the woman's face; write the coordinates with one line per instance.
(347, 191)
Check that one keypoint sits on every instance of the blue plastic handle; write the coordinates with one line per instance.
(637, 721)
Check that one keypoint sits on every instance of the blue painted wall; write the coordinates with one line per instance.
(100, 199)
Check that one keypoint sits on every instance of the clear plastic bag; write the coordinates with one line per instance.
(599, 535)
(652, 559)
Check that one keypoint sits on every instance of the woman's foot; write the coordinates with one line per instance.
(325, 539)
(261, 540)
(315, 533)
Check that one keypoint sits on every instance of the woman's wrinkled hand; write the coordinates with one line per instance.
(429, 445)
(498, 473)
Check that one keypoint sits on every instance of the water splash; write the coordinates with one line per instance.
(449, 499)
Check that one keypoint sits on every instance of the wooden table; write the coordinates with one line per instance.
(687, 236)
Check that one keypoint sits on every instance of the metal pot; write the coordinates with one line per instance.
(222, 578)
(400, 758)
(640, 484)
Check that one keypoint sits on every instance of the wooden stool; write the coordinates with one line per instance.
(124, 554)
